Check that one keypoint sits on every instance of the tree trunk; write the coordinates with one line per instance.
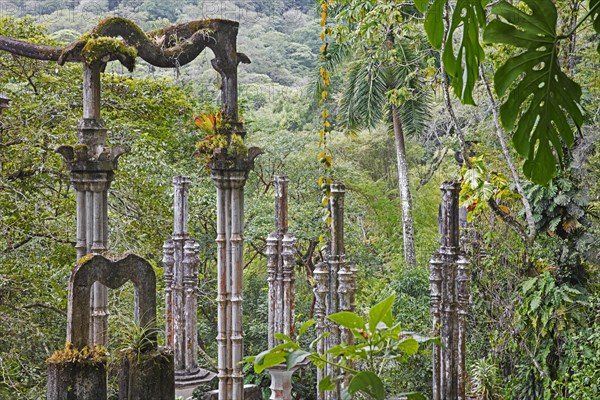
(405, 198)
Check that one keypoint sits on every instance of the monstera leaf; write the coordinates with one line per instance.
(462, 65)
(543, 102)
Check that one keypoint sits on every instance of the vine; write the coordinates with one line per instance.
(325, 157)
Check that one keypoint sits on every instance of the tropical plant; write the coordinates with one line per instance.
(485, 379)
(543, 103)
(547, 315)
(379, 344)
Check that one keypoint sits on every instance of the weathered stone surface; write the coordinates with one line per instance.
(449, 286)
(335, 290)
(280, 267)
(112, 274)
(251, 392)
(76, 381)
(147, 375)
(180, 262)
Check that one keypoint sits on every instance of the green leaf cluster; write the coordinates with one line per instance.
(377, 341)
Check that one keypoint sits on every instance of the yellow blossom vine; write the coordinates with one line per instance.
(325, 157)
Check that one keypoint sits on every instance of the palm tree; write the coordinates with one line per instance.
(388, 91)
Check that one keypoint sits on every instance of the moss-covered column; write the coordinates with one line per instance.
(92, 164)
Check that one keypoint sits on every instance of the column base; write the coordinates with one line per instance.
(251, 392)
(186, 379)
(76, 380)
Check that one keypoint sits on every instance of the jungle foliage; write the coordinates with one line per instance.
(534, 320)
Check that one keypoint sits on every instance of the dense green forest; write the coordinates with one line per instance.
(388, 97)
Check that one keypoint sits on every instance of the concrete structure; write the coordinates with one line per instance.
(92, 164)
(181, 290)
(4, 102)
(335, 291)
(281, 250)
(229, 173)
(449, 284)
(145, 371)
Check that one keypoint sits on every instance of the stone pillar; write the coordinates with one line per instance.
(280, 266)
(180, 261)
(92, 164)
(281, 248)
(449, 286)
(335, 291)
(229, 173)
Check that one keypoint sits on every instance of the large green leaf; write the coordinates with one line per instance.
(421, 5)
(347, 319)
(543, 101)
(409, 346)
(595, 11)
(463, 65)
(468, 18)
(369, 383)
(434, 23)
(381, 312)
(296, 357)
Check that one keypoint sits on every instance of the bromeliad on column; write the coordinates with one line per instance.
(181, 286)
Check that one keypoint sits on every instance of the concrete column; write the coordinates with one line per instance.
(272, 257)
(449, 281)
(168, 264)
(230, 242)
(281, 382)
(237, 268)
(321, 274)
(181, 286)
(288, 298)
(335, 290)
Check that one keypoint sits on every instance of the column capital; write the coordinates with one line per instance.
(91, 181)
(229, 171)
(85, 158)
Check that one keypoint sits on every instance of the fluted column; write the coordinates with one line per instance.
(335, 290)
(180, 261)
(288, 255)
(321, 274)
(272, 257)
(190, 284)
(449, 281)
(435, 281)
(168, 263)
(229, 174)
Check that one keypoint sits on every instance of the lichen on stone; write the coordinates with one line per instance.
(85, 259)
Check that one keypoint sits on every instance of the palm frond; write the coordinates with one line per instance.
(364, 101)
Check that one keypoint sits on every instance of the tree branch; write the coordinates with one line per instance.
(46, 306)
(500, 135)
